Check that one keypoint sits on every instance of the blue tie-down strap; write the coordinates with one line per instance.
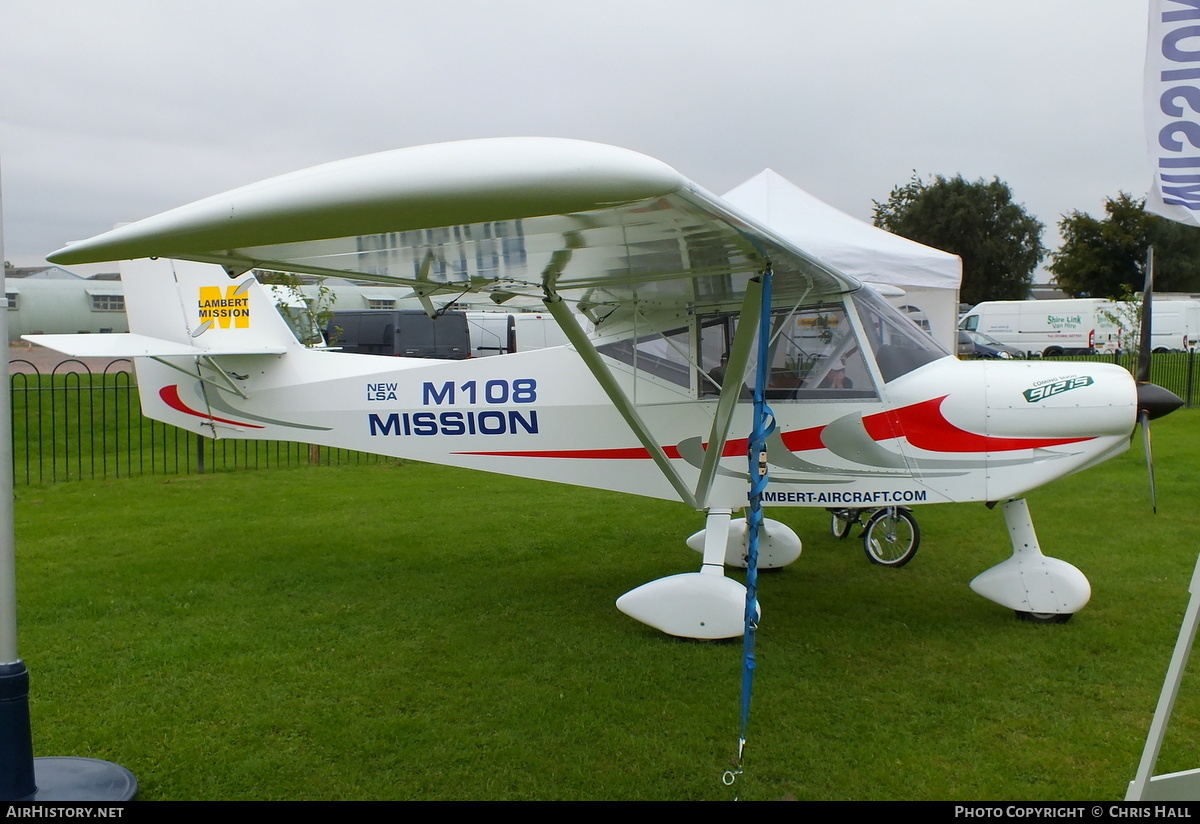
(764, 426)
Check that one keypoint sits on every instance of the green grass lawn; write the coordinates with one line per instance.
(404, 631)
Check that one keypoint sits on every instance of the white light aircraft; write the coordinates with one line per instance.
(870, 412)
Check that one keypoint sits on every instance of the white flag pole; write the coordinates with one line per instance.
(1172, 111)
(23, 777)
(16, 740)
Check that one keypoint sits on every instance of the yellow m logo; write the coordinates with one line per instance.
(222, 310)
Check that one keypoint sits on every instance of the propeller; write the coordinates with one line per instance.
(1152, 400)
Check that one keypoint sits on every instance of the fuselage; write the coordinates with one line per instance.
(947, 431)
(868, 410)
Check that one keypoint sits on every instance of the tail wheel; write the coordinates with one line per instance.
(840, 523)
(891, 537)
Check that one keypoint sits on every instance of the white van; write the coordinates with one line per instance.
(1044, 327)
(497, 333)
(1081, 325)
(1175, 325)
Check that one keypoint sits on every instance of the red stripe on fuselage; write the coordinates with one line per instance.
(170, 396)
(630, 453)
(922, 424)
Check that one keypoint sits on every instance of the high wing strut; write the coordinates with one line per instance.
(561, 313)
(739, 356)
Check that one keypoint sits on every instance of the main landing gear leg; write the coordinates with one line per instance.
(704, 604)
(778, 544)
(1037, 587)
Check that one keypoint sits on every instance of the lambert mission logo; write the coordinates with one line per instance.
(1056, 387)
(231, 307)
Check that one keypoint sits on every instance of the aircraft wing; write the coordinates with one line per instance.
(494, 218)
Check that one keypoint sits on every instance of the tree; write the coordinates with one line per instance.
(1107, 258)
(1125, 314)
(999, 242)
(308, 317)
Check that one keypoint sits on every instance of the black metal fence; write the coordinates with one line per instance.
(74, 423)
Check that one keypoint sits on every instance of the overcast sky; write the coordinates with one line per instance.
(113, 111)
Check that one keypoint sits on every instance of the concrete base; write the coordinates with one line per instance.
(64, 778)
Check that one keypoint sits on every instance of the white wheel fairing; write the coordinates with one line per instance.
(698, 605)
(1030, 582)
(1035, 584)
(778, 544)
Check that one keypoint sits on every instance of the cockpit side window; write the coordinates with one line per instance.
(813, 355)
(898, 345)
(817, 352)
(664, 355)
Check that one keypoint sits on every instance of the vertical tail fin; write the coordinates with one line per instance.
(186, 319)
(199, 305)
(181, 308)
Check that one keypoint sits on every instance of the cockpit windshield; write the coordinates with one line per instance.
(898, 345)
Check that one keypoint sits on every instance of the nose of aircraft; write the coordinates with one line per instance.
(1155, 401)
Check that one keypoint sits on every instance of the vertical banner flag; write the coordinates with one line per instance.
(1172, 105)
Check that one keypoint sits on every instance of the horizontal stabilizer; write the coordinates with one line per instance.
(131, 345)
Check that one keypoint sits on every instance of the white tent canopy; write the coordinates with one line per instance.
(929, 277)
